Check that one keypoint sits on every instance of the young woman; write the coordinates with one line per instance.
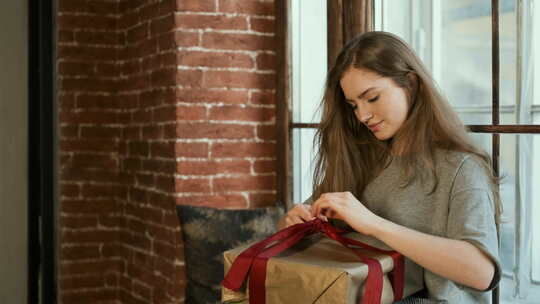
(395, 162)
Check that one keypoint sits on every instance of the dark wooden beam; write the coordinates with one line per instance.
(283, 105)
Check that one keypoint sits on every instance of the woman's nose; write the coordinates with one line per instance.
(364, 115)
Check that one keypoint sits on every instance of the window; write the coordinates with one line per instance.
(489, 82)
(454, 40)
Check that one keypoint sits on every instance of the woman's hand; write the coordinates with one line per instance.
(344, 206)
(299, 214)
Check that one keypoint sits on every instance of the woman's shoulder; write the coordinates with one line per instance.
(462, 167)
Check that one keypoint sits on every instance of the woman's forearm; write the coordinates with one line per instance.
(456, 260)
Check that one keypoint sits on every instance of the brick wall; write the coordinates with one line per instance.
(161, 103)
(225, 103)
(90, 122)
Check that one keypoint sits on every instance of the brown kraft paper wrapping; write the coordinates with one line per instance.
(320, 270)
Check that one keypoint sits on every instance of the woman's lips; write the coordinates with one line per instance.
(375, 127)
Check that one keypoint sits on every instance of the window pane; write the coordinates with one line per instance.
(309, 58)
(520, 231)
(303, 154)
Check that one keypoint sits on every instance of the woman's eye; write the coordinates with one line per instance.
(373, 99)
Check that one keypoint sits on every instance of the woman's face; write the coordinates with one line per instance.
(377, 101)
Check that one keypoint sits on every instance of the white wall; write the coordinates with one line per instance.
(13, 151)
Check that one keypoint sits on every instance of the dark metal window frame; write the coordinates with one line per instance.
(42, 278)
(342, 25)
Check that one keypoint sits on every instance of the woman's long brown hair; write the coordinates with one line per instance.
(350, 156)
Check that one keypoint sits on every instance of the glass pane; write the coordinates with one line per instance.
(465, 60)
(520, 229)
(303, 154)
(309, 58)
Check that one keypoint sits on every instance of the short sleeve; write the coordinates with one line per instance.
(471, 215)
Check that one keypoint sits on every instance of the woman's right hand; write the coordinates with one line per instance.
(298, 214)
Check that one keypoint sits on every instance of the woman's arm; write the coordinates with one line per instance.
(457, 260)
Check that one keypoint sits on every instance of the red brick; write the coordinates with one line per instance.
(192, 78)
(162, 149)
(66, 35)
(94, 161)
(212, 167)
(87, 53)
(132, 133)
(263, 98)
(160, 233)
(140, 148)
(69, 131)
(213, 130)
(86, 144)
(164, 114)
(66, 101)
(87, 296)
(243, 149)
(239, 79)
(190, 113)
(263, 25)
(80, 252)
(108, 69)
(167, 42)
(158, 165)
(100, 132)
(163, 77)
(162, 25)
(131, 67)
(88, 85)
(86, 174)
(235, 41)
(69, 190)
(251, 7)
(222, 201)
(101, 38)
(247, 183)
(262, 199)
(195, 5)
(85, 6)
(104, 190)
(82, 282)
(70, 68)
(216, 96)
(88, 236)
(220, 22)
(266, 132)
(214, 59)
(266, 62)
(191, 149)
(87, 206)
(89, 101)
(192, 185)
(91, 22)
(185, 39)
(142, 291)
(78, 222)
(89, 117)
(138, 33)
(236, 113)
(264, 166)
(82, 267)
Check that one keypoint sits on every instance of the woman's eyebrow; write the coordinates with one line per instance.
(363, 93)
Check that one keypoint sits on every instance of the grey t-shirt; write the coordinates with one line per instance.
(461, 208)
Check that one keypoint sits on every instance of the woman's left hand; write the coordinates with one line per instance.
(344, 206)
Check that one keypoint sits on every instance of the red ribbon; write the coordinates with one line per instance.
(253, 261)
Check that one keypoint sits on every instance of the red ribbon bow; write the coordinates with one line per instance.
(254, 260)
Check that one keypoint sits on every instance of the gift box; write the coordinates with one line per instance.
(315, 262)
